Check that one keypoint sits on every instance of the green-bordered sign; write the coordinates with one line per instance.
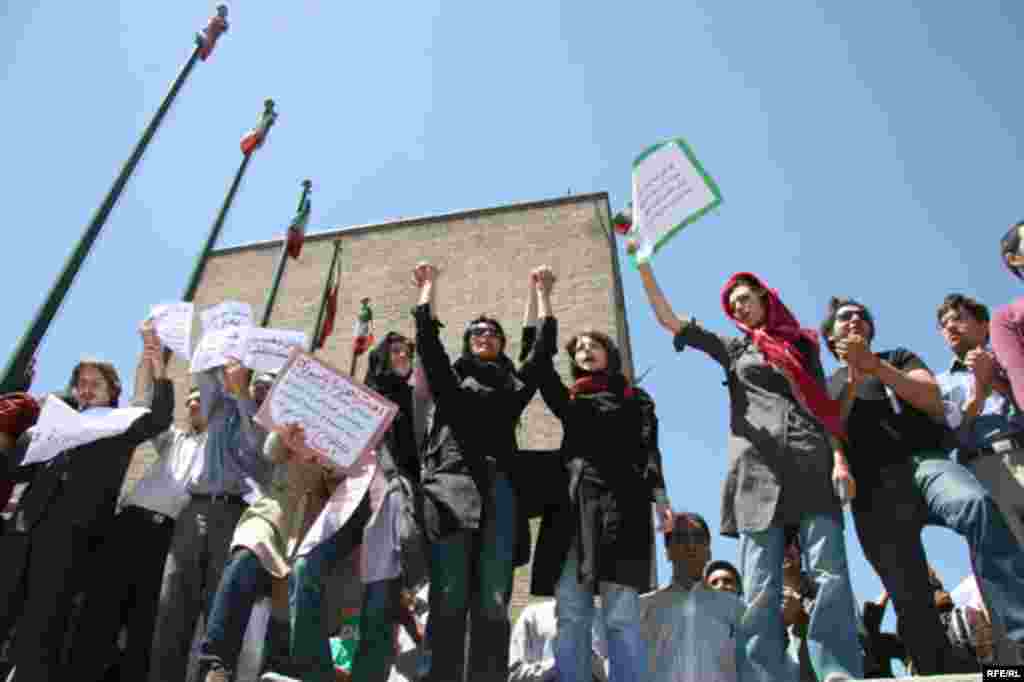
(671, 189)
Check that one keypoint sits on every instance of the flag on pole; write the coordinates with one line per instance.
(327, 328)
(206, 39)
(363, 335)
(297, 229)
(623, 220)
(255, 138)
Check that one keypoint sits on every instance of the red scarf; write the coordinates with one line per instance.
(597, 383)
(775, 339)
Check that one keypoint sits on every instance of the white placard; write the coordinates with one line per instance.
(670, 190)
(342, 419)
(173, 325)
(61, 428)
(266, 350)
(226, 314)
(217, 347)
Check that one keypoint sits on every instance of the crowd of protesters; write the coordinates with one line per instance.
(164, 583)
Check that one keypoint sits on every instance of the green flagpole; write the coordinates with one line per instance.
(302, 214)
(14, 373)
(328, 285)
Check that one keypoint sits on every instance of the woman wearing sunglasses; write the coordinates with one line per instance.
(472, 516)
(786, 465)
(598, 541)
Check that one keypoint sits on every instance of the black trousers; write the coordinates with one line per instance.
(123, 591)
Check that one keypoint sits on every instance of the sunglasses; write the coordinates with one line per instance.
(846, 314)
(688, 536)
(484, 330)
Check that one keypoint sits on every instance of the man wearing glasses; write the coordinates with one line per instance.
(691, 630)
(980, 407)
(893, 411)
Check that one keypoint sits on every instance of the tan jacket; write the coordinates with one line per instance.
(274, 525)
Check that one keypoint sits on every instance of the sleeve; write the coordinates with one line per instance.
(438, 368)
(159, 417)
(254, 436)
(12, 458)
(163, 442)
(653, 471)
(527, 341)
(906, 361)
(714, 345)
(541, 370)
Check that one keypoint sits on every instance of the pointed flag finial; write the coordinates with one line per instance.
(255, 138)
(206, 39)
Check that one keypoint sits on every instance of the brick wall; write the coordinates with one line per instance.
(484, 256)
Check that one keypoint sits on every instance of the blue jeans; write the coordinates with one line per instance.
(574, 610)
(832, 644)
(472, 571)
(955, 499)
(243, 583)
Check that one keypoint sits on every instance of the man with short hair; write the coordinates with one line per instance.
(127, 593)
(722, 576)
(892, 407)
(66, 509)
(692, 632)
(230, 473)
(988, 424)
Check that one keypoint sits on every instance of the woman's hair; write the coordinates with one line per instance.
(834, 305)
(104, 368)
(614, 358)
(750, 282)
(483, 319)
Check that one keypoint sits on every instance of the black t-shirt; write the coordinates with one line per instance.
(879, 434)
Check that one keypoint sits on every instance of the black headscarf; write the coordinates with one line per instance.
(400, 439)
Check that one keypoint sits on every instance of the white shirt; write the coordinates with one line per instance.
(691, 634)
(162, 488)
(531, 655)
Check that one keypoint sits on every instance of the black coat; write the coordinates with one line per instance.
(81, 485)
(472, 433)
(611, 456)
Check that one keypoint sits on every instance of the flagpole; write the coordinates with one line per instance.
(328, 285)
(282, 261)
(29, 343)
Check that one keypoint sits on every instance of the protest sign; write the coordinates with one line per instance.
(342, 419)
(670, 190)
(61, 428)
(217, 347)
(266, 350)
(173, 325)
(226, 314)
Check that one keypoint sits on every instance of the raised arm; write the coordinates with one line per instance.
(685, 332)
(529, 319)
(436, 364)
(540, 364)
(161, 407)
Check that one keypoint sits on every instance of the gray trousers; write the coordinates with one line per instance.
(199, 551)
(1002, 474)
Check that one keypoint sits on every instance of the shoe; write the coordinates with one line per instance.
(837, 677)
(277, 677)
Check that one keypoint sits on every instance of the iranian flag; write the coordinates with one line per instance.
(297, 228)
(362, 336)
(623, 220)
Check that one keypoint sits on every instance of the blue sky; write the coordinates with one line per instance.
(862, 149)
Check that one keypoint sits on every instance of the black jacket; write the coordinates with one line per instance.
(471, 434)
(81, 485)
(613, 465)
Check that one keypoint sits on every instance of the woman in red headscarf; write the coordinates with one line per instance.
(786, 469)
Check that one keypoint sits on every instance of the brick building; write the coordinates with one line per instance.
(484, 257)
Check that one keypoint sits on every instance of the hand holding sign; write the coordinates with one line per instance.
(172, 324)
(217, 347)
(670, 190)
(342, 419)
